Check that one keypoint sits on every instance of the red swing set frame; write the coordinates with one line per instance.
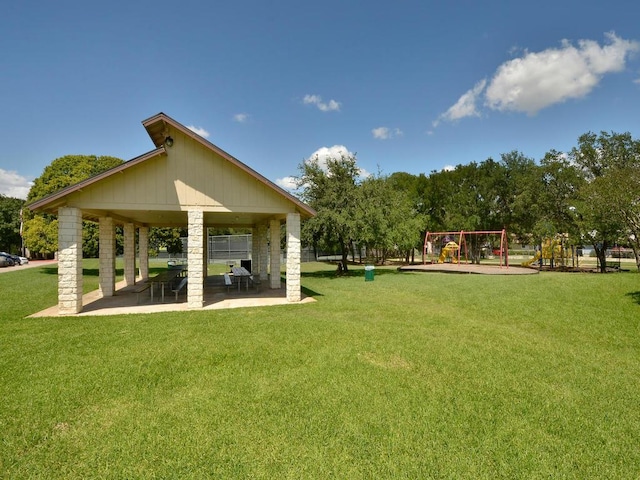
(462, 241)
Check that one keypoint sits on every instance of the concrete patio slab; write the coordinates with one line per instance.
(216, 297)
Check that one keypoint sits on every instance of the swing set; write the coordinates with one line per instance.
(449, 246)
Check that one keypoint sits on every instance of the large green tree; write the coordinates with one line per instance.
(519, 193)
(40, 230)
(560, 182)
(387, 221)
(412, 188)
(331, 188)
(608, 201)
(10, 209)
(624, 198)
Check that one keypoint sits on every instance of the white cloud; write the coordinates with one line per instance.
(198, 130)
(241, 117)
(465, 106)
(288, 183)
(322, 106)
(385, 133)
(448, 168)
(14, 185)
(336, 152)
(325, 153)
(537, 80)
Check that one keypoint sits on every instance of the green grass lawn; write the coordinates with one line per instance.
(413, 375)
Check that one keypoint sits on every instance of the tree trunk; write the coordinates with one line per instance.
(636, 254)
(601, 253)
(345, 261)
(345, 256)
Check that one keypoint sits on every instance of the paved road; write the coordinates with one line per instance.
(31, 264)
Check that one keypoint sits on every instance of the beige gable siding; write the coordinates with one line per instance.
(206, 179)
(189, 175)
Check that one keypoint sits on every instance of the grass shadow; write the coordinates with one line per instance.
(635, 296)
(49, 270)
(310, 293)
(353, 272)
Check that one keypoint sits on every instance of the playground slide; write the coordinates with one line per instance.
(449, 250)
(533, 260)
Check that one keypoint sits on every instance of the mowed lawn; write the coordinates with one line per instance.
(413, 375)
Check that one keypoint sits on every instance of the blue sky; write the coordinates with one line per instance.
(410, 86)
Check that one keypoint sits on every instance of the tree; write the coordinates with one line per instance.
(624, 197)
(386, 218)
(519, 194)
(469, 197)
(416, 218)
(10, 209)
(42, 234)
(560, 183)
(61, 173)
(332, 192)
(608, 201)
(169, 238)
(69, 170)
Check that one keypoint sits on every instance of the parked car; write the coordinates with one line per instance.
(10, 262)
(3, 261)
(15, 258)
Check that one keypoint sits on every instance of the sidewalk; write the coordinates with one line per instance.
(31, 264)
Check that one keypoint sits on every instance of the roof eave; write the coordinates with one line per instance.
(50, 201)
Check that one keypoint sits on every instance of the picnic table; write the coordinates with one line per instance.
(241, 273)
(163, 279)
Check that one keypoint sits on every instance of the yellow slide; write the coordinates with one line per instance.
(533, 260)
(449, 250)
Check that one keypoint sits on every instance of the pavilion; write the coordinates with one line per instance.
(186, 181)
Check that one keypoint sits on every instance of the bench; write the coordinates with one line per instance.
(227, 281)
(180, 286)
(139, 288)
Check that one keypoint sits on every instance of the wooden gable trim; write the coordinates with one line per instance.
(156, 127)
(50, 200)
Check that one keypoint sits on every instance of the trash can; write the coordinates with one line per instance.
(368, 273)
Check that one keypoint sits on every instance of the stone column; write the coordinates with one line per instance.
(293, 258)
(205, 254)
(69, 260)
(195, 252)
(255, 253)
(263, 247)
(129, 254)
(143, 252)
(274, 264)
(107, 268)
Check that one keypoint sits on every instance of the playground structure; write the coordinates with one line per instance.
(449, 251)
(451, 247)
(552, 249)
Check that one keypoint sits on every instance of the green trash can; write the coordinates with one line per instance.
(368, 273)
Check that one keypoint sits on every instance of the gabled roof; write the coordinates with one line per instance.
(157, 126)
(52, 200)
(160, 127)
